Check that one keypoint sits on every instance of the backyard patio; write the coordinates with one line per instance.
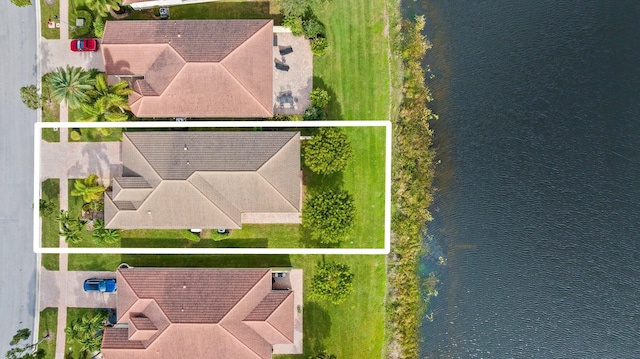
(292, 73)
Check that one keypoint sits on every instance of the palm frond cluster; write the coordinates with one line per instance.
(90, 91)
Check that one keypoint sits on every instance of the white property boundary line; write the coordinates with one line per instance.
(37, 247)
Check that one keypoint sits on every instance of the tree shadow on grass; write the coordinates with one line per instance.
(319, 183)
(317, 326)
(334, 109)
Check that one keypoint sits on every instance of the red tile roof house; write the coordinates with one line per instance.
(205, 313)
(193, 68)
(205, 180)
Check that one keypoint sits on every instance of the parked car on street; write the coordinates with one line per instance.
(79, 45)
(100, 285)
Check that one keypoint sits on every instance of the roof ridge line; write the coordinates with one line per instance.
(215, 205)
(231, 73)
(243, 86)
(238, 339)
(269, 182)
(184, 63)
(279, 305)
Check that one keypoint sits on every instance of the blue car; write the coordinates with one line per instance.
(100, 285)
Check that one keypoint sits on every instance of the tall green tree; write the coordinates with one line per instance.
(328, 216)
(70, 84)
(332, 282)
(86, 331)
(21, 350)
(329, 151)
(88, 188)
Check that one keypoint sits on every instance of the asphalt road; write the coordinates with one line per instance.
(17, 259)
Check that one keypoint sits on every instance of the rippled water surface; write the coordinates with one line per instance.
(538, 202)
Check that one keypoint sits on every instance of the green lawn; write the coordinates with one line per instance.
(50, 227)
(355, 67)
(48, 325)
(50, 113)
(46, 14)
(213, 10)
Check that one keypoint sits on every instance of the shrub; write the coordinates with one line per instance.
(323, 355)
(312, 28)
(46, 207)
(29, 96)
(329, 216)
(319, 97)
(98, 27)
(102, 235)
(294, 8)
(332, 282)
(75, 135)
(21, 3)
(319, 46)
(314, 113)
(329, 151)
(295, 24)
(88, 21)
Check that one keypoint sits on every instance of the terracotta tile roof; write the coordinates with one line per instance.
(193, 68)
(198, 313)
(208, 178)
(267, 306)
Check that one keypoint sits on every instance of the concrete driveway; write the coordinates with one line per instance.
(79, 159)
(65, 289)
(57, 53)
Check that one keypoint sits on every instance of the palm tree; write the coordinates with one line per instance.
(70, 84)
(86, 331)
(104, 235)
(88, 188)
(70, 228)
(109, 102)
(101, 7)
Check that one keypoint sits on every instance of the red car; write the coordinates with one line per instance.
(84, 45)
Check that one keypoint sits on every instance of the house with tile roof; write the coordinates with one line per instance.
(205, 313)
(193, 68)
(186, 180)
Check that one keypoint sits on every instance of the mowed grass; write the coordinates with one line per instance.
(50, 226)
(48, 325)
(364, 179)
(50, 113)
(46, 14)
(212, 11)
(355, 67)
